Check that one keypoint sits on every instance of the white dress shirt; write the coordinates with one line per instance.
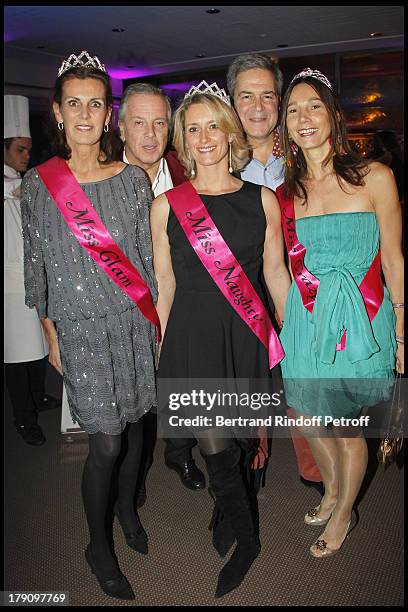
(163, 181)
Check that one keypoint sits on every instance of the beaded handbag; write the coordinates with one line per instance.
(392, 442)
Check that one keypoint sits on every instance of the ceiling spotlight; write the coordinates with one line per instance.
(200, 55)
(118, 29)
(374, 34)
(40, 46)
(281, 46)
(213, 11)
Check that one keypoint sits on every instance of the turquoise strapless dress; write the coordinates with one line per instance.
(340, 249)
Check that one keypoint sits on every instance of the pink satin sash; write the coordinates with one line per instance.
(222, 266)
(93, 236)
(371, 287)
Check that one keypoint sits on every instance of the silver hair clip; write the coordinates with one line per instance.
(316, 74)
(213, 89)
(78, 60)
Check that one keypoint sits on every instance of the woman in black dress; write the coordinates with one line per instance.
(204, 337)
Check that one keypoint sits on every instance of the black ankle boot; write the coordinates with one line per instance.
(117, 586)
(136, 539)
(228, 486)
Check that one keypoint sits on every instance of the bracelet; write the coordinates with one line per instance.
(398, 304)
(399, 339)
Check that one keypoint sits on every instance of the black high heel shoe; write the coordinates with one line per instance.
(117, 587)
(137, 540)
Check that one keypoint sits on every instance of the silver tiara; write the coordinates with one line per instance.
(83, 59)
(213, 89)
(316, 74)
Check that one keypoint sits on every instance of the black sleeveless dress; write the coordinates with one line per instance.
(205, 337)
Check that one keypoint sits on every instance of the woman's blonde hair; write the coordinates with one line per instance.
(228, 122)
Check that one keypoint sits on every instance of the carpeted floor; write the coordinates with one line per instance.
(46, 534)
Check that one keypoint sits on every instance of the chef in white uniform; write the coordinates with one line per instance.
(25, 347)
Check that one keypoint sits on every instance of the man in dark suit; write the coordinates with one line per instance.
(255, 84)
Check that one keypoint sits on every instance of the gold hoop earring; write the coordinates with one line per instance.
(60, 126)
(230, 169)
(106, 128)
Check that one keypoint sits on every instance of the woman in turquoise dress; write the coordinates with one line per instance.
(342, 209)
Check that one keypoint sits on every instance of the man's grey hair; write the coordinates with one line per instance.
(142, 88)
(248, 61)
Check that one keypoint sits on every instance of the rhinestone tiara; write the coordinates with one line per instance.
(316, 74)
(212, 89)
(83, 59)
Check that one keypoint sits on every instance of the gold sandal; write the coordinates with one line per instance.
(312, 517)
(320, 549)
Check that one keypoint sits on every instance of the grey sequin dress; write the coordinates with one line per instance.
(107, 346)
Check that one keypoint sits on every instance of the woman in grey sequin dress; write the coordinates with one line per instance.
(99, 340)
(106, 344)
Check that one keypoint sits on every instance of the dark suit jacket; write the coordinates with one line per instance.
(175, 168)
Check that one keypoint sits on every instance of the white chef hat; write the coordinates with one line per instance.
(16, 117)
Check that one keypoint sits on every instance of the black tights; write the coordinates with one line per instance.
(209, 444)
(110, 455)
